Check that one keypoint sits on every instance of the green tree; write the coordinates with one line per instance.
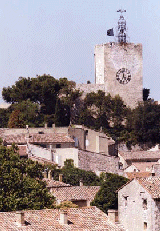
(21, 185)
(107, 197)
(73, 175)
(146, 123)
(62, 114)
(15, 120)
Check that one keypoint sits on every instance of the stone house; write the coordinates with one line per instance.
(139, 204)
(140, 167)
(92, 141)
(128, 158)
(79, 195)
(56, 147)
(82, 219)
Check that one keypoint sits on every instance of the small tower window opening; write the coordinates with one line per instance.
(125, 200)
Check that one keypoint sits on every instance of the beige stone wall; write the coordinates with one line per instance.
(61, 154)
(157, 216)
(131, 213)
(91, 161)
(98, 142)
(87, 88)
(99, 64)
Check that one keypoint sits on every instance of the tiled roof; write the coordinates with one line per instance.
(140, 155)
(38, 138)
(75, 193)
(41, 160)
(55, 184)
(17, 139)
(132, 175)
(152, 185)
(50, 138)
(79, 219)
(143, 166)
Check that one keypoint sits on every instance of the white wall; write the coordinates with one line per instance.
(61, 154)
(131, 213)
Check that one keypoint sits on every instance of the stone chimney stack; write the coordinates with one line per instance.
(50, 175)
(153, 172)
(20, 218)
(113, 215)
(60, 177)
(45, 174)
(63, 217)
(81, 183)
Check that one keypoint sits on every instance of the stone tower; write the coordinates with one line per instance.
(118, 66)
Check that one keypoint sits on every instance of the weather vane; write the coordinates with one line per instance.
(121, 28)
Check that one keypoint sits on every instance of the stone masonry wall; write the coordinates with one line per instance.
(87, 88)
(96, 162)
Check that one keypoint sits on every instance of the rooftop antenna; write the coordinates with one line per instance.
(121, 27)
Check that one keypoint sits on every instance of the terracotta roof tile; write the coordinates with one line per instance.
(75, 193)
(55, 184)
(143, 166)
(140, 155)
(38, 138)
(152, 185)
(41, 160)
(132, 175)
(80, 219)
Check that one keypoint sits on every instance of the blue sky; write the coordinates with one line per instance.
(57, 37)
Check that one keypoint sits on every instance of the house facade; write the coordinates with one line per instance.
(139, 204)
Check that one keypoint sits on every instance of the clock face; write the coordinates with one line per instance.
(123, 76)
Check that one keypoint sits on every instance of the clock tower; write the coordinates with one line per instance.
(119, 67)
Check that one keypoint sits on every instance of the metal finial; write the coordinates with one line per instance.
(121, 28)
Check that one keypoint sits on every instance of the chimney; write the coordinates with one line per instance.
(60, 177)
(81, 183)
(50, 175)
(45, 174)
(153, 172)
(113, 215)
(20, 218)
(63, 217)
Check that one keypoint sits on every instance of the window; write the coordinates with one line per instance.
(125, 200)
(120, 165)
(144, 204)
(145, 225)
(58, 145)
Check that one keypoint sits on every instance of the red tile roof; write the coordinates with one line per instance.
(152, 185)
(38, 138)
(143, 166)
(140, 155)
(75, 193)
(79, 219)
(132, 175)
(41, 160)
(55, 184)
